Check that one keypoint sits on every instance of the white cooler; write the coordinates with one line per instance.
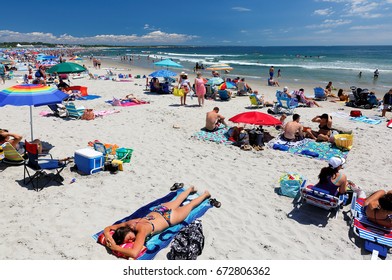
(89, 161)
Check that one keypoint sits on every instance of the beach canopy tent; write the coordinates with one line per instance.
(255, 118)
(168, 63)
(219, 67)
(163, 73)
(65, 68)
(31, 95)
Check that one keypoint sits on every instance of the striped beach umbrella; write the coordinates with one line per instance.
(31, 95)
(220, 67)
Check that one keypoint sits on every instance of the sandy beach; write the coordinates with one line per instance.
(253, 223)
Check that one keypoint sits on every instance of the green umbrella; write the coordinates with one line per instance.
(65, 68)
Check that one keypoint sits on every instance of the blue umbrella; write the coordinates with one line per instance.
(163, 73)
(168, 63)
(31, 95)
(215, 81)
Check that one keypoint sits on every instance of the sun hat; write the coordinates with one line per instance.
(183, 73)
(335, 162)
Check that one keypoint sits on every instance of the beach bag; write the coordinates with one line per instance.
(188, 244)
(290, 183)
(116, 102)
(178, 92)
(355, 113)
(256, 137)
(88, 115)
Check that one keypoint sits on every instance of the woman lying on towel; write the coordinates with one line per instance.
(160, 218)
(131, 98)
(378, 208)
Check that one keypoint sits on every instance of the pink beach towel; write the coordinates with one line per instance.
(127, 104)
(105, 113)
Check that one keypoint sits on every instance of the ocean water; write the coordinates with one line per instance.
(313, 66)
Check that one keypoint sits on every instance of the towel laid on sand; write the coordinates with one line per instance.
(366, 120)
(309, 148)
(162, 240)
(219, 136)
(127, 103)
(89, 97)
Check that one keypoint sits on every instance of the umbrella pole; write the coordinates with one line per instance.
(31, 122)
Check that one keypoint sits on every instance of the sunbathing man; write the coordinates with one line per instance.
(213, 120)
(160, 218)
(378, 208)
(325, 127)
(293, 130)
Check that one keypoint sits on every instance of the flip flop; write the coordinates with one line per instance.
(215, 203)
(177, 186)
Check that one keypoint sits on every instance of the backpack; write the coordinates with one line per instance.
(188, 244)
(355, 113)
(256, 137)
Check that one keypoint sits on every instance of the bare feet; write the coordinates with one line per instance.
(193, 189)
(207, 194)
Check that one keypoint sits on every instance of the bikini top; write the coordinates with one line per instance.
(325, 127)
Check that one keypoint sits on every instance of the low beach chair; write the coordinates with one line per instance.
(11, 155)
(319, 94)
(378, 239)
(255, 102)
(321, 198)
(284, 104)
(224, 95)
(73, 111)
(39, 165)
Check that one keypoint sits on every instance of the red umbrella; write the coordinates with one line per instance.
(256, 118)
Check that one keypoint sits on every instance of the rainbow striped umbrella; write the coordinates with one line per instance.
(31, 95)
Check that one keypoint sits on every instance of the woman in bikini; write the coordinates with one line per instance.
(378, 208)
(330, 178)
(160, 218)
(325, 126)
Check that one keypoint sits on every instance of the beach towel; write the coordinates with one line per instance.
(220, 136)
(366, 120)
(162, 240)
(309, 148)
(89, 97)
(105, 113)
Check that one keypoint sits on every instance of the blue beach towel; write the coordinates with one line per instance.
(89, 97)
(220, 136)
(365, 119)
(162, 240)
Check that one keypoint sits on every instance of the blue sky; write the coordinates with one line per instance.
(214, 22)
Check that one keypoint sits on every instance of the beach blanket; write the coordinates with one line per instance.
(366, 120)
(309, 148)
(89, 97)
(105, 113)
(219, 136)
(162, 240)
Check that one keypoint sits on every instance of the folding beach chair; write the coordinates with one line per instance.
(73, 111)
(40, 165)
(321, 198)
(224, 95)
(319, 94)
(378, 239)
(255, 102)
(11, 155)
(284, 104)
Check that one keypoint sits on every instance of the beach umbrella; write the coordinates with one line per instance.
(227, 85)
(220, 67)
(163, 73)
(168, 63)
(65, 68)
(31, 95)
(256, 118)
(215, 81)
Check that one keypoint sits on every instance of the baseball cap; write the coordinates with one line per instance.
(285, 88)
(335, 162)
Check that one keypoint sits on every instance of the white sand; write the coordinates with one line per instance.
(254, 222)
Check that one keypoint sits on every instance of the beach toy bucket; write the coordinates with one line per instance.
(344, 141)
(124, 154)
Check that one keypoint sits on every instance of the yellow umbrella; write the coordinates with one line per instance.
(220, 67)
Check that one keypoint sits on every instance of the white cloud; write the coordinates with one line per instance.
(110, 39)
(330, 23)
(241, 9)
(325, 31)
(323, 12)
(367, 27)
